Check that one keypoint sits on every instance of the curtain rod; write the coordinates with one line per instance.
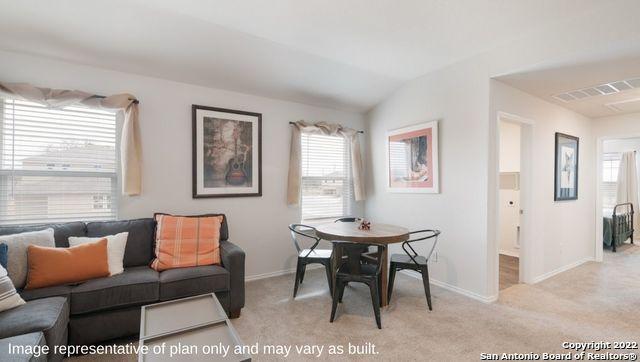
(295, 123)
(135, 101)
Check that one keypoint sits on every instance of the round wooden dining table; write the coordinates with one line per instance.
(380, 235)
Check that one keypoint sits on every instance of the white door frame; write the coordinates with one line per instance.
(526, 202)
(599, 248)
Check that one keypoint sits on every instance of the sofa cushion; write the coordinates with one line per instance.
(61, 232)
(184, 241)
(9, 297)
(18, 249)
(49, 316)
(4, 254)
(139, 249)
(27, 340)
(136, 286)
(184, 282)
(49, 267)
(39, 293)
(224, 228)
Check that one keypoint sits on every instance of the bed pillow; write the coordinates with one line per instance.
(4, 249)
(185, 241)
(8, 297)
(115, 249)
(17, 253)
(58, 266)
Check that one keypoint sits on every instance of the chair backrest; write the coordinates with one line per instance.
(422, 235)
(303, 231)
(354, 251)
(347, 219)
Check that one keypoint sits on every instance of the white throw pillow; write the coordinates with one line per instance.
(17, 256)
(115, 249)
(9, 298)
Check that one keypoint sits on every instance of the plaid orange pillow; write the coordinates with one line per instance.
(184, 241)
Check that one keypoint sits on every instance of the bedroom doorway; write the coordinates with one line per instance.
(514, 141)
(618, 196)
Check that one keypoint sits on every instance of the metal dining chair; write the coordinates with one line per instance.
(354, 270)
(411, 260)
(309, 255)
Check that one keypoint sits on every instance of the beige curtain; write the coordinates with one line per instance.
(295, 158)
(627, 183)
(130, 151)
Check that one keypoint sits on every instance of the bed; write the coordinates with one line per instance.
(618, 225)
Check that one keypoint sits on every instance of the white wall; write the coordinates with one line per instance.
(257, 224)
(509, 147)
(563, 233)
(509, 199)
(457, 97)
(621, 145)
(621, 126)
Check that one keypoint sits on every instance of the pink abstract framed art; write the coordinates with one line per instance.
(412, 159)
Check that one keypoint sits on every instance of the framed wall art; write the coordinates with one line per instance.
(227, 152)
(566, 167)
(412, 159)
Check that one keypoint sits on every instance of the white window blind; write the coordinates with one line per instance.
(327, 189)
(610, 165)
(56, 165)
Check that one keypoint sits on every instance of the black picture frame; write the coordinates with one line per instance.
(197, 193)
(566, 166)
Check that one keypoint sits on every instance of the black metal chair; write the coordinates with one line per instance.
(354, 270)
(310, 255)
(411, 260)
(367, 255)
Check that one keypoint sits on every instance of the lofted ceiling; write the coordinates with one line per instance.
(598, 86)
(340, 54)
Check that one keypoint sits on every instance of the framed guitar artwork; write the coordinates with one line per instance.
(227, 152)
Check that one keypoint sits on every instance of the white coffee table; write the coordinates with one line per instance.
(195, 324)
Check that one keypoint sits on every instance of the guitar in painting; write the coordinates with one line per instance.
(236, 174)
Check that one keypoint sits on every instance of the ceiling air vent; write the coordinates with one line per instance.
(599, 90)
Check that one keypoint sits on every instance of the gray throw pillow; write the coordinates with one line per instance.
(17, 264)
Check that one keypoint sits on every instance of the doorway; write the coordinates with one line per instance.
(513, 198)
(618, 197)
(509, 209)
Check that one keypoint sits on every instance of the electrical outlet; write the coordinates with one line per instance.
(435, 257)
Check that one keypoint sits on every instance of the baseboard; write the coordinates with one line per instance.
(278, 273)
(548, 275)
(509, 253)
(453, 288)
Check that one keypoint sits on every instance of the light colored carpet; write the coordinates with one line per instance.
(593, 302)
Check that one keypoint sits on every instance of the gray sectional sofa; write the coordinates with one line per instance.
(102, 309)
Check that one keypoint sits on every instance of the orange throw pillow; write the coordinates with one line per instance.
(184, 241)
(56, 266)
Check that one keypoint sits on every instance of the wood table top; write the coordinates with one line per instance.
(348, 231)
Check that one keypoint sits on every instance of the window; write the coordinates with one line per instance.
(610, 165)
(56, 165)
(327, 189)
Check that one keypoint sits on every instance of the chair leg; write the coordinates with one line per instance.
(327, 268)
(296, 282)
(341, 291)
(392, 278)
(425, 281)
(375, 300)
(303, 269)
(334, 304)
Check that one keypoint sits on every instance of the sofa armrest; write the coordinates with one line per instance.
(233, 260)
